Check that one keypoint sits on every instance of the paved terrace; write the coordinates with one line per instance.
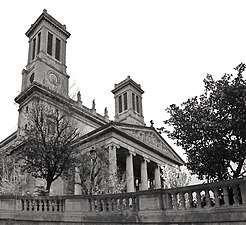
(216, 203)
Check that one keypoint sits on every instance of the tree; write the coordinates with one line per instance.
(211, 127)
(47, 137)
(12, 181)
(95, 177)
(174, 177)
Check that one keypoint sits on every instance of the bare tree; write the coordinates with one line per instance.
(12, 181)
(47, 137)
(175, 177)
(95, 177)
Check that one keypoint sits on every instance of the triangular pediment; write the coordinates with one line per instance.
(153, 139)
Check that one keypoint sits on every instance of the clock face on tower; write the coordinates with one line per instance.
(53, 78)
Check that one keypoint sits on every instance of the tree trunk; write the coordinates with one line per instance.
(49, 182)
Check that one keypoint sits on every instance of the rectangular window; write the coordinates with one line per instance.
(49, 44)
(33, 48)
(58, 47)
(39, 40)
(137, 103)
(133, 102)
(125, 101)
(120, 104)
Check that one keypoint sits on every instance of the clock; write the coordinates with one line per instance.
(53, 78)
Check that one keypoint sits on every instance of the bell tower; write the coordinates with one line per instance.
(46, 64)
(128, 102)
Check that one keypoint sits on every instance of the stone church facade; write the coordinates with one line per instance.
(137, 149)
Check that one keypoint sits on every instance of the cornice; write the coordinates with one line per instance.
(36, 87)
(45, 16)
(124, 83)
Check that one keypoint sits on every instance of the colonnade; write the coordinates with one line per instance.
(129, 170)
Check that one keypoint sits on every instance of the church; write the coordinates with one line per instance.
(139, 150)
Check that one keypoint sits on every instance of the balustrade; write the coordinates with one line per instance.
(42, 204)
(114, 202)
(225, 193)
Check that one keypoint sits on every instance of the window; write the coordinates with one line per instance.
(133, 101)
(120, 104)
(39, 40)
(137, 102)
(125, 101)
(58, 46)
(33, 48)
(49, 44)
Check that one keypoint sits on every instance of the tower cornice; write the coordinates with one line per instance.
(47, 17)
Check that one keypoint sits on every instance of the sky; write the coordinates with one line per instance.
(166, 46)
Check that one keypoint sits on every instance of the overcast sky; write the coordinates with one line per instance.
(166, 46)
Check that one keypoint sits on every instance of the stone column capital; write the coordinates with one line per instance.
(146, 158)
(112, 144)
(132, 152)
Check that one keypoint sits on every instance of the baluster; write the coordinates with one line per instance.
(114, 204)
(207, 199)
(110, 205)
(216, 197)
(235, 195)
(182, 200)
(93, 207)
(191, 202)
(119, 204)
(127, 203)
(48, 207)
(175, 202)
(103, 203)
(199, 201)
(42, 205)
(226, 196)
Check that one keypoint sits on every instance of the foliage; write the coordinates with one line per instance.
(12, 181)
(174, 177)
(95, 175)
(211, 127)
(47, 138)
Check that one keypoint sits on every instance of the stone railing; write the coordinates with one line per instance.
(223, 202)
(225, 193)
(115, 202)
(38, 203)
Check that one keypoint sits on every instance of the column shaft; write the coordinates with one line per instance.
(144, 175)
(77, 185)
(129, 173)
(157, 177)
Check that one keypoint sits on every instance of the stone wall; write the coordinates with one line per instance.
(210, 204)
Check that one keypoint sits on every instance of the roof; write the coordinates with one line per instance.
(51, 20)
(126, 82)
(144, 136)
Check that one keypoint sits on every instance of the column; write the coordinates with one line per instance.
(157, 177)
(129, 173)
(112, 164)
(77, 182)
(144, 174)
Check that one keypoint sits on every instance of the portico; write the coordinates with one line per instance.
(137, 160)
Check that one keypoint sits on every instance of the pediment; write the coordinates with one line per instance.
(155, 141)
